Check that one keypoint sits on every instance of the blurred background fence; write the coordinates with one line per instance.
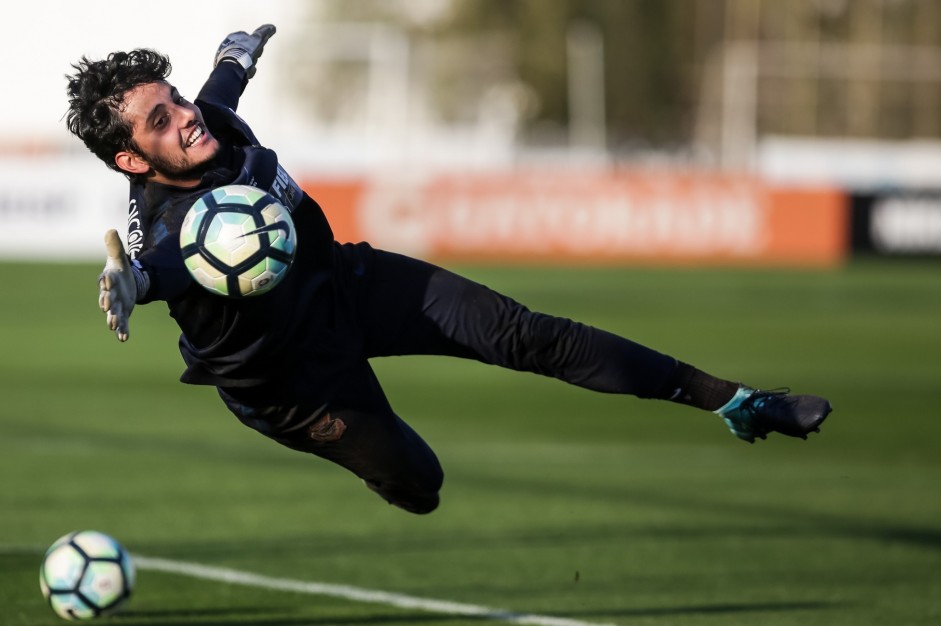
(563, 131)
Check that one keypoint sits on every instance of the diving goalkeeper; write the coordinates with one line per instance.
(294, 364)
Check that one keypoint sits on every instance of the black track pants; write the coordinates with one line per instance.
(386, 304)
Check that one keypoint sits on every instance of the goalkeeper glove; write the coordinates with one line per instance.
(118, 286)
(244, 49)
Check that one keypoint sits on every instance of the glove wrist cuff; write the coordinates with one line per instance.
(141, 280)
(236, 55)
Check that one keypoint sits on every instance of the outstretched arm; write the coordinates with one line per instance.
(235, 62)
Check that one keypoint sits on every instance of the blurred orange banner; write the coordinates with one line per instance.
(605, 217)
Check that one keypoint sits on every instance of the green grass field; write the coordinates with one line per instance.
(558, 502)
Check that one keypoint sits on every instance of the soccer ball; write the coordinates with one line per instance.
(238, 241)
(86, 574)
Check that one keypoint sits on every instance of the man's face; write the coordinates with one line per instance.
(171, 137)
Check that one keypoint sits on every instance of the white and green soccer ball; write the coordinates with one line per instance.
(86, 574)
(238, 241)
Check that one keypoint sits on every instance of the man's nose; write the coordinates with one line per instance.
(187, 115)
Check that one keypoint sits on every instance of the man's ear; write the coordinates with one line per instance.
(131, 162)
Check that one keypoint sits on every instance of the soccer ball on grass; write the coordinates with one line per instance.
(86, 574)
(238, 241)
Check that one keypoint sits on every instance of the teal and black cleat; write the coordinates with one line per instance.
(752, 414)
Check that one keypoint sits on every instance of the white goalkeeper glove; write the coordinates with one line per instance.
(244, 49)
(117, 287)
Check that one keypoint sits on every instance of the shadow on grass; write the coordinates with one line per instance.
(773, 520)
(259, 616)
(709, 609)
(791, 524)
(793, 519)
(256, 616)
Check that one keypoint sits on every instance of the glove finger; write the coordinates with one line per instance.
(104, 301)
(115, 248)
(119, 323)
(264, 33)
(121, 328)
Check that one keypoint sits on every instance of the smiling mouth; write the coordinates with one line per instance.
(196, 135)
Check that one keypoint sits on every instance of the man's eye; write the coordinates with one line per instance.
(161, 121)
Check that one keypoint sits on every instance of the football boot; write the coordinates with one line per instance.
(753, 414)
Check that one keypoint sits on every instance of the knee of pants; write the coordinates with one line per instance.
(420, 502)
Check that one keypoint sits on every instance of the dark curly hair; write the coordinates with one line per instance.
(96, 92)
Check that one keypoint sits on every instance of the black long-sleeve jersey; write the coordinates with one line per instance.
(232, 342)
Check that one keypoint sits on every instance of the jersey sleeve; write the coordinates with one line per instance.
(163, 263)
(224, 86)
(154, 244)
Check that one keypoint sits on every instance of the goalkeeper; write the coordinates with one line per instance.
(294, 364)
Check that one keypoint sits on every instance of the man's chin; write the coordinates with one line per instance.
(193, 173)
